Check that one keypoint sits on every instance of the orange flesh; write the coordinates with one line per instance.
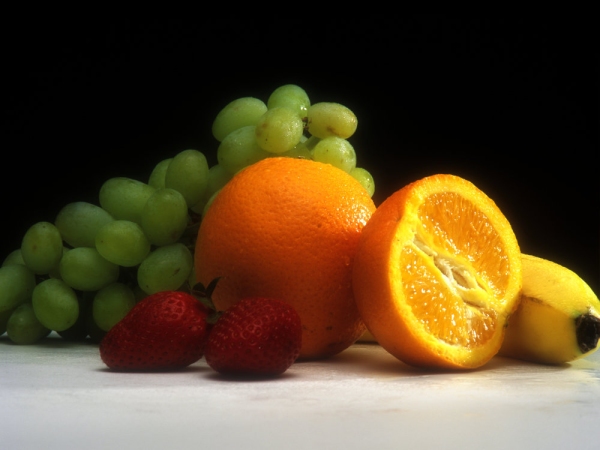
(455, 280)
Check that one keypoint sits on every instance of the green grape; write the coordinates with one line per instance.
(365, 178)
(335, 151)
(42, 247)
(301, 150)
(209, 202)
(122, 242)
(23, 326)
(279, 130)
(188, 174)
(55, 273)
(79, 222)
(199, 207)
(239, 113)
(290, 96)
(55, 304)
(84, 269)
(78, 331)
(16, 286)
(4, 317)
(93, 330)
(111, 304)
(165, 216)
(14, 257)
(218, 177)
(139, 293)
(311, 142)
(157, 176)
(165, 269)
(331, 119)
(239, 149)
(124, 198)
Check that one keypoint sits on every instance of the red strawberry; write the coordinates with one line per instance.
(165, 331)
(256, 336)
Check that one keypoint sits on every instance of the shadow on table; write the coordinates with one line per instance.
(370, 358)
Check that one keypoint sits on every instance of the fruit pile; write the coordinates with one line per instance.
(82, 274)
(306, 264)
(440, 281)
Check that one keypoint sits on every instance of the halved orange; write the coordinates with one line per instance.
(437, 273)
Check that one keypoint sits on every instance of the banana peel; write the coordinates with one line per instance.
(558, 317)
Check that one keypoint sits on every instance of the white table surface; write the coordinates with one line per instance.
(59, 395)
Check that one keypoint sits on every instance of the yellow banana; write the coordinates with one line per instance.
(558, 317)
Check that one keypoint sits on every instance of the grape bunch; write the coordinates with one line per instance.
(82, 273)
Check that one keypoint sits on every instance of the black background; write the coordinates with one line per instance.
(511, 105)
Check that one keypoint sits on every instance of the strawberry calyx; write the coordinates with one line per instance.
(204, 295)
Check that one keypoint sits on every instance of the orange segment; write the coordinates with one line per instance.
(437, 273)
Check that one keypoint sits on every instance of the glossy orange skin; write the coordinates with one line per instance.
(288, 228)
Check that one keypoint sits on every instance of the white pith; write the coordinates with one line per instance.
(459, 278)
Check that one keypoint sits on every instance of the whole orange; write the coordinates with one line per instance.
(289, 228)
